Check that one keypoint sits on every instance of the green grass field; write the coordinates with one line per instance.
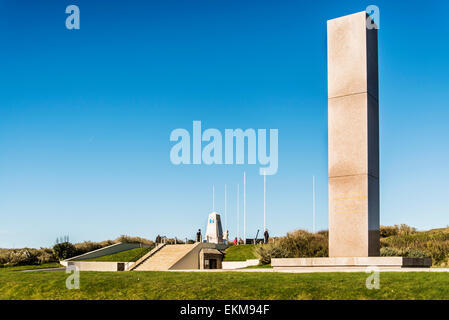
(32, 267)
(240, 253)
(124, 256)
(226, 285)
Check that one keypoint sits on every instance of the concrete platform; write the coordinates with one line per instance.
(356, 263)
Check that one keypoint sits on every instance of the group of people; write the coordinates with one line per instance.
(266, 237)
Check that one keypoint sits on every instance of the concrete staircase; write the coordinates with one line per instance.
(165, 257)
(158, 247)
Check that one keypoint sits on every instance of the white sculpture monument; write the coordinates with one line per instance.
(214, 231)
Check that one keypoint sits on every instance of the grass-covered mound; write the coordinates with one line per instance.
(131, 255)
(399, 240)
(407, 242)
(223, 285)
(240, 253)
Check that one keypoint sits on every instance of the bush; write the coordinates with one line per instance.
(88, 246)
(268, 251)
(416, 253)
(388, 231)
(64, 250)
(22, 257)
(389, 252)
(403, 252)
(401, 230)
(302, 244)
(297, 244)
(46, 256)
(405, 230)
(128, 239)
(410, 243)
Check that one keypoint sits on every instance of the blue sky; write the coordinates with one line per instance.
(86, 115)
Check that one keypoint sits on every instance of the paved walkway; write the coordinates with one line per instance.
(305, 270)
(45, 269)
(321, 270)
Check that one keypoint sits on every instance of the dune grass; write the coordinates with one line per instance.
(124, 256)
(240, 253)
(224, 285)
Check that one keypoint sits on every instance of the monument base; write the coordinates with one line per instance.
(340, 263)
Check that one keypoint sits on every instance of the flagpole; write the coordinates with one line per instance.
(314, 205)
(225, 212)
(264, 201)
(238, 213)
(244, 207)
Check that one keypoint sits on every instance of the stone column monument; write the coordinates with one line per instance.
(353, 115)
(353, 102)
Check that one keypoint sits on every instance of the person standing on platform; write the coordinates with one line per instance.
(266, 236)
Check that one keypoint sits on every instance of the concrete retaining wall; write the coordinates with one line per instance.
(118, 247)
(231, 265)
(349, 262)
(98, 265)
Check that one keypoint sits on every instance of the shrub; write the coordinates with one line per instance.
(401, 230)
(128, 239)
(64, 250)
(268, 251)
(88, 246)
(22, 257)
(46, 256)
(403, 252)
(296, 244)
(389, 252)
(410, 243)
(405, 230)
(416, 253)
(437, 250)
(388, 231)
(300, 244)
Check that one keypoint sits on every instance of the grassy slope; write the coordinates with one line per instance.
(240, 253)
(435, 243)
(124, 256)
(226, 285)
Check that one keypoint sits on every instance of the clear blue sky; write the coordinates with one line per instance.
(85, 115)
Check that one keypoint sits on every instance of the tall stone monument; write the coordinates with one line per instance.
(353, 115)
(353, 103)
